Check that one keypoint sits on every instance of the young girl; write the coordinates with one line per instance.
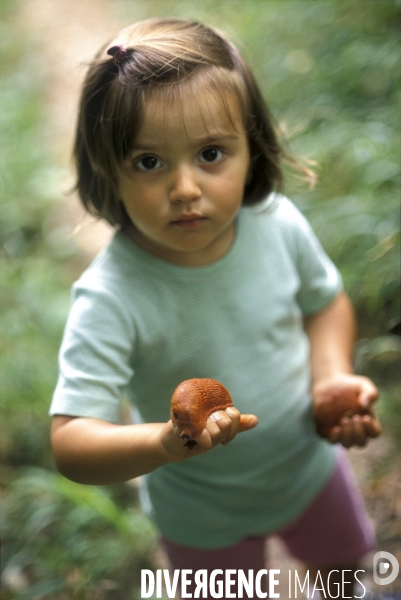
(211, 274)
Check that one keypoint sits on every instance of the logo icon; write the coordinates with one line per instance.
(385, 564)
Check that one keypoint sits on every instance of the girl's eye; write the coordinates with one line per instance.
(211, 155)
(147, 163)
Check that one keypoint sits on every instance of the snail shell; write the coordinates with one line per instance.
(193, 401)
(336, 406)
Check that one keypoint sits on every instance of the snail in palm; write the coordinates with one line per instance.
(339, 404)
(192, 403)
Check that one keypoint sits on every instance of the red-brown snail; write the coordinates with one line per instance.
(192, 403)
(334, 407)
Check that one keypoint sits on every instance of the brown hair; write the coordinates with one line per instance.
(164, 56)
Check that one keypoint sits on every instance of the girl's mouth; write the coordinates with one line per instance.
(189, 220)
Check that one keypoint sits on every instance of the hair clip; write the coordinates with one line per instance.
(119, 53)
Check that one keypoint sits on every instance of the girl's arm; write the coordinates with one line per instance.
(94, 451)
(332, 334)
(97, 452)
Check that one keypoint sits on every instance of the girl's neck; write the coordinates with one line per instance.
(198, 258)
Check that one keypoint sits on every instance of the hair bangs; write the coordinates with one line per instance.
(196, 89)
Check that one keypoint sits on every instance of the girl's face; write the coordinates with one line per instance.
(183, 183)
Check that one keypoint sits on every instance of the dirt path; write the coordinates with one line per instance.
(68, 33)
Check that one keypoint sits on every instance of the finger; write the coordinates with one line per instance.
(204, 440)
(346, 435)
(335, 434)
(235, 417)
(372, 426)
(359, 431)
(221, 428)
(219, 425)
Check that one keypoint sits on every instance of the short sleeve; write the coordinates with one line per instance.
(320, 280)
(95, 356)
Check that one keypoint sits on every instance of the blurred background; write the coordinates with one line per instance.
(330, 71)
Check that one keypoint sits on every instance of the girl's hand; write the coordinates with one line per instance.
(357, 429)
(221, 428)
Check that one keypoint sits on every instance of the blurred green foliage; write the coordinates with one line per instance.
(33, 299)
(73, 541)
(330, 71)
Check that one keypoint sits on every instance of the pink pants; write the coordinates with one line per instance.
(333, 531)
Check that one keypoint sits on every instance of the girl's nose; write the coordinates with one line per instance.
(184, 186)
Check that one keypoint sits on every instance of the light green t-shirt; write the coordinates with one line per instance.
(140, 326)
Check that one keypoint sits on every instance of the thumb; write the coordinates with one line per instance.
(368, 394)
(248, 422)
